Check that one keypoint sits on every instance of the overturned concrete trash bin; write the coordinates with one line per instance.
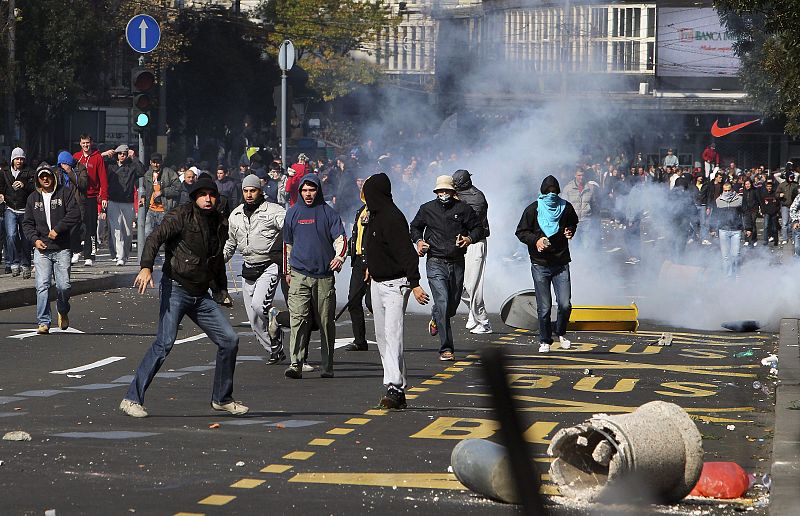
(483, 467)
(653, 454)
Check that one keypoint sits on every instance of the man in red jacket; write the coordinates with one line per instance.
(97, 188)
(296, 173)
(710, 158)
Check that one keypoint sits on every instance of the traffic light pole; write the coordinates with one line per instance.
(283, 120)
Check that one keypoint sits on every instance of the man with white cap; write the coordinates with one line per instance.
(123, 175)
(444, 228)
(16, 184)
(255, 227)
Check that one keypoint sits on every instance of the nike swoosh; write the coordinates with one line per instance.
(719, 132)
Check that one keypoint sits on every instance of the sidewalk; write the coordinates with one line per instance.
(786, 443)
(105, 274)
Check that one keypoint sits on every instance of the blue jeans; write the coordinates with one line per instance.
(730, 243)
(543, 277)
(204, 311)
(152, 220)
(447, 281)
(49, 264)
(785, 224)
(796, 235)
(700, 223)
(18, 248)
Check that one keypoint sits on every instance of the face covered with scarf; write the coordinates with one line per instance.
(550, 206)
(727, 192)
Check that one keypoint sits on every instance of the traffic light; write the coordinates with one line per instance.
(143, 83)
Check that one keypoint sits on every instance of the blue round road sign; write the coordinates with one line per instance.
(143, 33)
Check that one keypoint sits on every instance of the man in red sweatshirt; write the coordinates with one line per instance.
(97, 188)
(296, 173)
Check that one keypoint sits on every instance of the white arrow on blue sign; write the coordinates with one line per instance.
(143, 33)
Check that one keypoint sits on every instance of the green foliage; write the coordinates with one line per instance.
(768, 43)
(324, 33)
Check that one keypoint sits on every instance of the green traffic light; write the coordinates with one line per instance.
(142, 120)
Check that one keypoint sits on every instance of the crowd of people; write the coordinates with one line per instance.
(287, 224)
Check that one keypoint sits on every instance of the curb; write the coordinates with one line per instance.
(786, 442)
(27, 295)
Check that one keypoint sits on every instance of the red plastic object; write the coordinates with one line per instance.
(721, 480)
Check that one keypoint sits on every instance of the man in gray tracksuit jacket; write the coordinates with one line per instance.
(256, 228)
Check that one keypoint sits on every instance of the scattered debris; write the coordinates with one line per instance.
(18, 435)
(214, 426)
(744, 326)
(670, 465)
(588, 372)
(665, 339)
(240, 464)
(742, 354)
(731, 427)
(50, 512)
(756, 385)
(770, 361)
(721, 480)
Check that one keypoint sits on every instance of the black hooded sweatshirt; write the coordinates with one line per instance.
(529, 231)
(390, 253)
(469, 194)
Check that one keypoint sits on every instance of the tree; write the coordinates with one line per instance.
(325, 34)
(768, 44)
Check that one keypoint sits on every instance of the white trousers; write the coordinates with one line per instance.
(389, 300)
(120, 224)
(472, 295)
(258, 296)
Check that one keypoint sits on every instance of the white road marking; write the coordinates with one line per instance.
(614, 250)
(191, 339)
(33, 333)
(340, 343)
(99, 363)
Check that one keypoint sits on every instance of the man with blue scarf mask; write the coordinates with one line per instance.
(546, 227)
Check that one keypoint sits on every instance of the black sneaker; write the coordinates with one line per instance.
(15, 272)
(8, 270)
(294, 372)
(276, 357)
(394, 398)
(355, 347)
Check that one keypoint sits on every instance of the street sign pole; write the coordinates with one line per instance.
(285, 62)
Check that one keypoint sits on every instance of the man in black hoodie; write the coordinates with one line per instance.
(475, 259)
(123, 176)
(546, 227)
(193, 236)
(444, 228)
(392, 266)
(51, 213)
(16, 184)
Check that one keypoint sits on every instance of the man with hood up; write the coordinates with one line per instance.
(443, 229)
(393, 267)
(728, 212)
(546, 227)
(475, 259)
(77, 179)
(51, 212)
(315, 247)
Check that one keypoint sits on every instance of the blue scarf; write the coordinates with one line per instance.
(548, 212)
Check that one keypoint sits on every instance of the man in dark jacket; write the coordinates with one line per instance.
(787, 191)
(444, 228)
(728, 218)
(123, 175)
(51, 212)
(16, 184)
(394, 270)
(700, 198)
(770, 209)
(315, 248)
(162, 192)
(76, 178)
(230, 188)
(359, 291)
(546, 227)
(475, 259)
(193, 236)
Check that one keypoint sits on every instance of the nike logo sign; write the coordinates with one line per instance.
(719, 132)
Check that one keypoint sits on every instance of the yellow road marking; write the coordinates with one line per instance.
(461, 364)
(189, 514)
(376, 412)
(432, 382)
(692, 335)
(276, 468)
(418, 389)
(357, 421)
(443, 375)
(321, 442)
(216, 500)
(248, 483)
(454, 369)
(412, 396)
(299, 455)
(506, 338)
(598, 363)
(473, 356)
(339, 431)
(521, 330)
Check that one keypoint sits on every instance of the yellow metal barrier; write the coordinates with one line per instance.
(604, 318)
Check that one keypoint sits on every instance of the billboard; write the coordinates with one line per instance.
(692, 42)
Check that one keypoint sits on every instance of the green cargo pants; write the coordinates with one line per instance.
(312, 298)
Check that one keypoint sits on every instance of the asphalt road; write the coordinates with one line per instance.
(319, 446)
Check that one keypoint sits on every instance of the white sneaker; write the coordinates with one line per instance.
(565, 344)
(755, 244)
(120, 263)
(75, 258)
(480, 329)
(470, 325)
(770, 239)
(88, 263)
(307, 368)
(706, 242)
(544, 347)
(746, 244)
(132, 408)
(232, 407)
